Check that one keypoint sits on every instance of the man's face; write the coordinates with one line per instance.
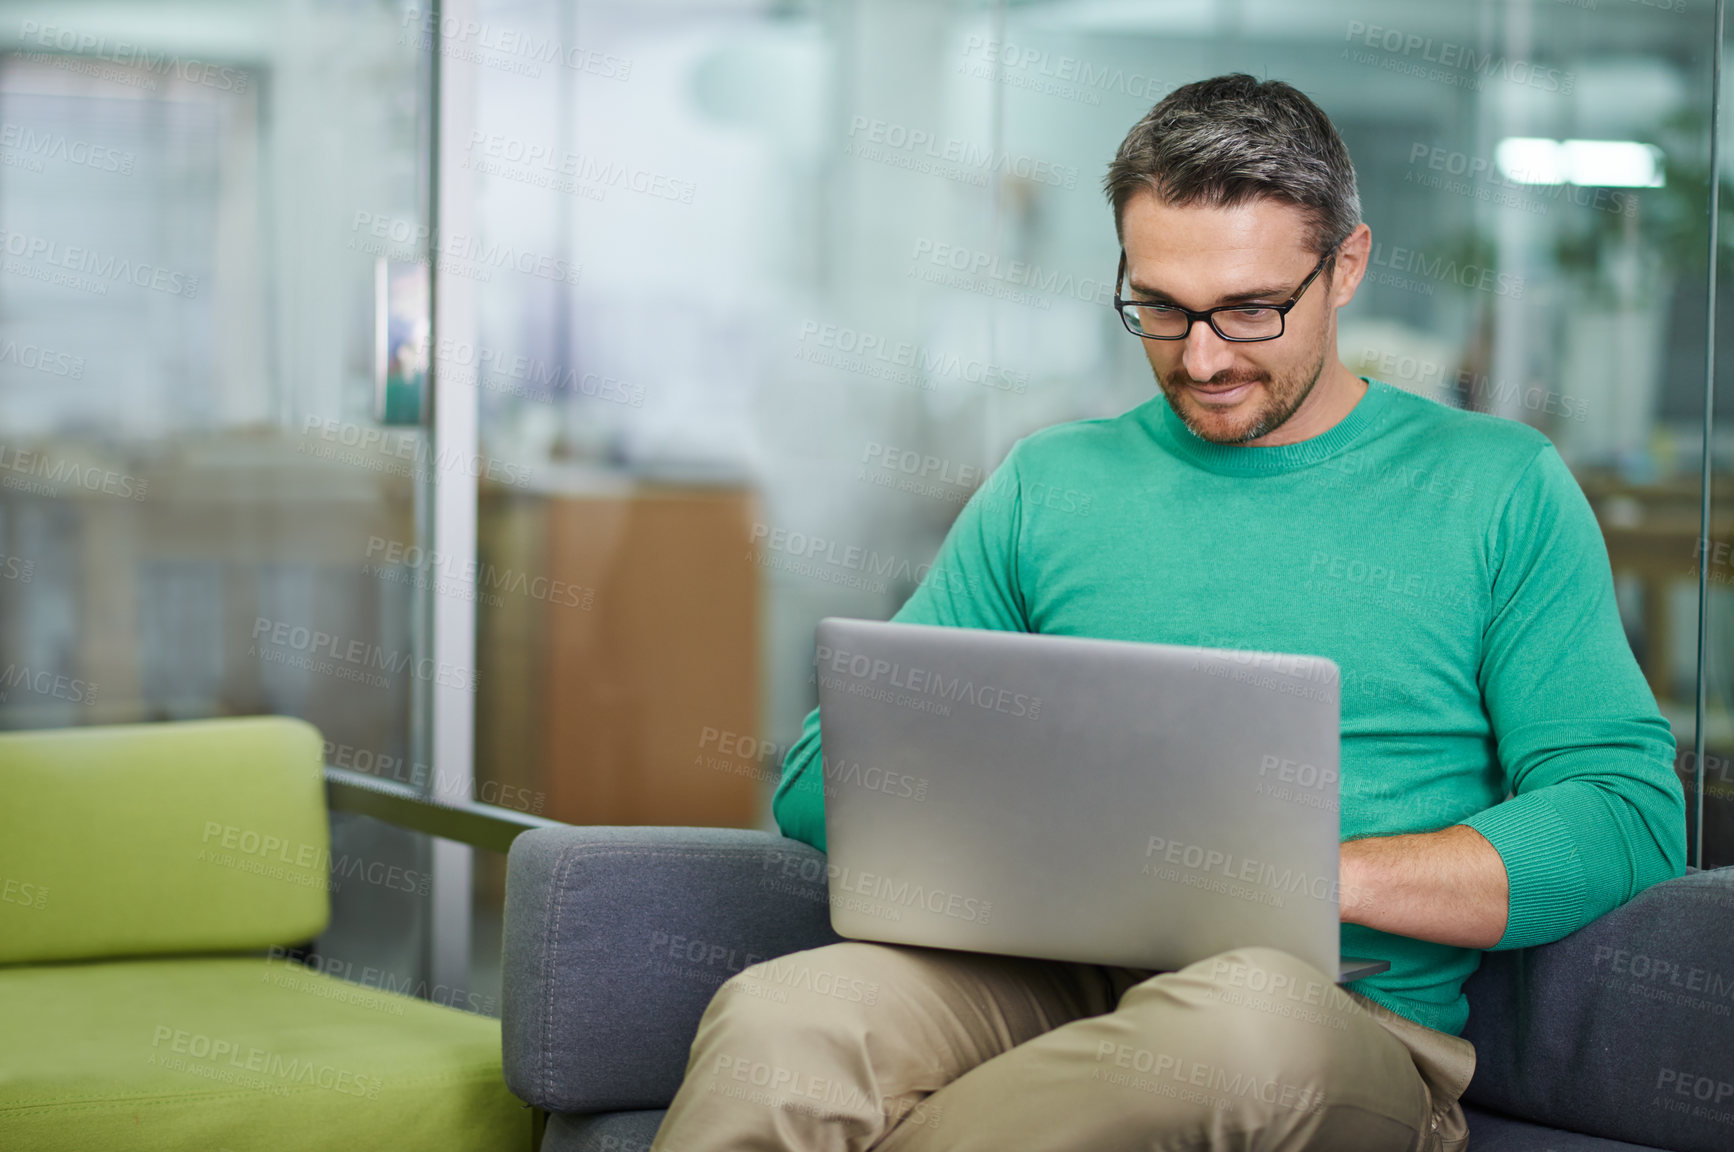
(1200, 257)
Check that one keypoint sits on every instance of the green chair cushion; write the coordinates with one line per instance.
(242, 1053)
(137, 839)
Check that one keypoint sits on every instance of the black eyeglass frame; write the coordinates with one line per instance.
(1209, 314)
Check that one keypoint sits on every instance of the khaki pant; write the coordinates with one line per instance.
(904, 1049)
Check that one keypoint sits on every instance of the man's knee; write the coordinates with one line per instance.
(810, 987)
(1258, 1008)
(1262, 1039)
(1270, 973)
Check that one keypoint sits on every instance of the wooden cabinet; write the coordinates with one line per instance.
(600, 685)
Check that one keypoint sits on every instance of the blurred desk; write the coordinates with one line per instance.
(618, 620)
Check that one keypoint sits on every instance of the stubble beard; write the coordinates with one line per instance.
(1283, 397)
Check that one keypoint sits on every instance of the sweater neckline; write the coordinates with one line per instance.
(1267, 460)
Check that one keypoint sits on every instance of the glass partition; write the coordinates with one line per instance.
(202, 491)
(836, 257)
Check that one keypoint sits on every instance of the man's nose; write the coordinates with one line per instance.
(1206, 353)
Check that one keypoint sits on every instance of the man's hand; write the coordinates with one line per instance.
(1447, 886)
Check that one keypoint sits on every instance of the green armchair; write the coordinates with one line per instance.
(150, 879)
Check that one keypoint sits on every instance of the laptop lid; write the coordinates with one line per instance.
(1144, 805)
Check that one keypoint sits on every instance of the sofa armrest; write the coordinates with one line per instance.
(616, 939)
(1623, 1029)
(478, 825)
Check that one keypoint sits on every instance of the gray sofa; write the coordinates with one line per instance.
(1618, 1037)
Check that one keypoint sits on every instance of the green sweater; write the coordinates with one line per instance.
(1446, 560)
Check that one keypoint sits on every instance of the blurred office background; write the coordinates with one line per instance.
(507, 388)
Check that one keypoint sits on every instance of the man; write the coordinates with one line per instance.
(1268, 499)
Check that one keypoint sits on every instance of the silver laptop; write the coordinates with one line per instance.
(1143, 805)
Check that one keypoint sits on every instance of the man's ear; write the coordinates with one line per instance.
(1351, 265)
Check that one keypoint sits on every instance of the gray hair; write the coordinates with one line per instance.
(1224, 141)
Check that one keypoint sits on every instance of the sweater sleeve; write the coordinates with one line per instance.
(972, 583)
(1595, 813)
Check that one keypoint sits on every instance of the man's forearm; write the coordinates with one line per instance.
(1447, 886)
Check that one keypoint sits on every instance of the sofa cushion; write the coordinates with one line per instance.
(242, 1052)
(1624, 1029)
(133, 839)
(1491, 1132)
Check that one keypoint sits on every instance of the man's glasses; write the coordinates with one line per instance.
(1241, 323)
